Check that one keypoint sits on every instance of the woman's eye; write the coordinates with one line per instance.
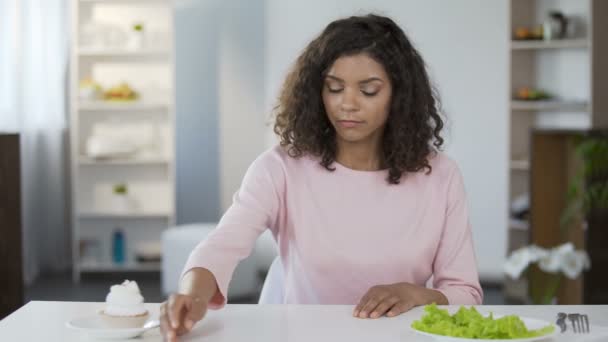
(334, 90)
(369, 93)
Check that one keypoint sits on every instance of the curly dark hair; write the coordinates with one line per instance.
(414, 124)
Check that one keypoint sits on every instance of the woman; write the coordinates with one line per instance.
(364, 207)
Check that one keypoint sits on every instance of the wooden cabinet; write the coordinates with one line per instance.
(554, 164)
(11, 265)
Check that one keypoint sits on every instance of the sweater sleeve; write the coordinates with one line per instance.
(255, 208)
(455, 266)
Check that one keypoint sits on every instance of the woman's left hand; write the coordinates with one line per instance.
(395, 299)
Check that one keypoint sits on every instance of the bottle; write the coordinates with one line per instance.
(118, 247)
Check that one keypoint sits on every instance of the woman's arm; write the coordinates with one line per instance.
(455, 266)
(199, 283)
(255, 208)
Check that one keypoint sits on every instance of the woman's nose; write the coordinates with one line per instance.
(349, 101)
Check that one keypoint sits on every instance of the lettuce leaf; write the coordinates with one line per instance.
(469, 323)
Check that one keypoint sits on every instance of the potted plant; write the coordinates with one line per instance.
(588, 190)
(587, 206)
(121, 201)
(136, 39)
(559, 261)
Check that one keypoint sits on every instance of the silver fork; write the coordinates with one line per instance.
(580, 323)
(561, 321)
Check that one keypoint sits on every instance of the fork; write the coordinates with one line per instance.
(561, 321)
(580, 322)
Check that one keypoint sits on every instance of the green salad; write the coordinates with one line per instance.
(469, 323)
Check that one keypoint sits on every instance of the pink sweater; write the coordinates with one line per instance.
(340, 233)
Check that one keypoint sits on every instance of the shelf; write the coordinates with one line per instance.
(136, 2)
(552, 105)
(111, 267)
(520, 165)
(118, 215)
(519, 224)
(581, 43)
(114, 106)
(121, 53)
(150, 69)
(85, 161)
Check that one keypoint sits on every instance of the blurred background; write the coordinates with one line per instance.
(127, 125)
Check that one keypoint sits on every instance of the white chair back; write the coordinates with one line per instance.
(273, 289)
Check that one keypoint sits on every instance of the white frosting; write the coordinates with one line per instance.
(125, 300)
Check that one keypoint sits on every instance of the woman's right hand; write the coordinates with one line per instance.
(179, 314)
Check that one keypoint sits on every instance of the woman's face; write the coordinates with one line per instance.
(357, 98)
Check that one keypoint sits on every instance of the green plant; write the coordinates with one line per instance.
(120, 189)
(588, 190)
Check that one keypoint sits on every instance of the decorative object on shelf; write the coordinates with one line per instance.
(108, 141)
(530, 94)
(121, 92)
(557, 261)
(149, 251)
(118, 246)
(121, 201)
(89, 90)
(520, 207)
(119, 139)
(555, 26)
(136, 37)
(90, 251)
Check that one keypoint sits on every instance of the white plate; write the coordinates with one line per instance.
(92, 326)
(531, 324)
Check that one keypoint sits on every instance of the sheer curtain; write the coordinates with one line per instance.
(33, 87)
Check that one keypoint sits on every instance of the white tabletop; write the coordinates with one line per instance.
(46, 321)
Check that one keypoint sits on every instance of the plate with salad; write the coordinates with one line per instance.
(467, 324)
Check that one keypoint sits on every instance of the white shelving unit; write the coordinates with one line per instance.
(83, 161)
(520, 165)
(94, 106)
(573, 70)
(579, 43)
(95, 267)
(562, 106)
(143, 53)
(148, 68)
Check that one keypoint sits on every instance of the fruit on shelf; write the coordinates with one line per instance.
(522, 33)
(526, 93)
(526, 33)
(121, 92)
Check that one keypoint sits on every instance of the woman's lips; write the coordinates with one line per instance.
(349, 123)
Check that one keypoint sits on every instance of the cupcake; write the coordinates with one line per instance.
(124, 307)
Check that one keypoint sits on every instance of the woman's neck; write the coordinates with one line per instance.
(359, 156)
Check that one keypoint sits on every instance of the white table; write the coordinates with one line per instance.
(45, 321)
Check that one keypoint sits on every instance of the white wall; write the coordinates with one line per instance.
(241, 91)
(197, 26)
(465, 44)
(220, 101)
